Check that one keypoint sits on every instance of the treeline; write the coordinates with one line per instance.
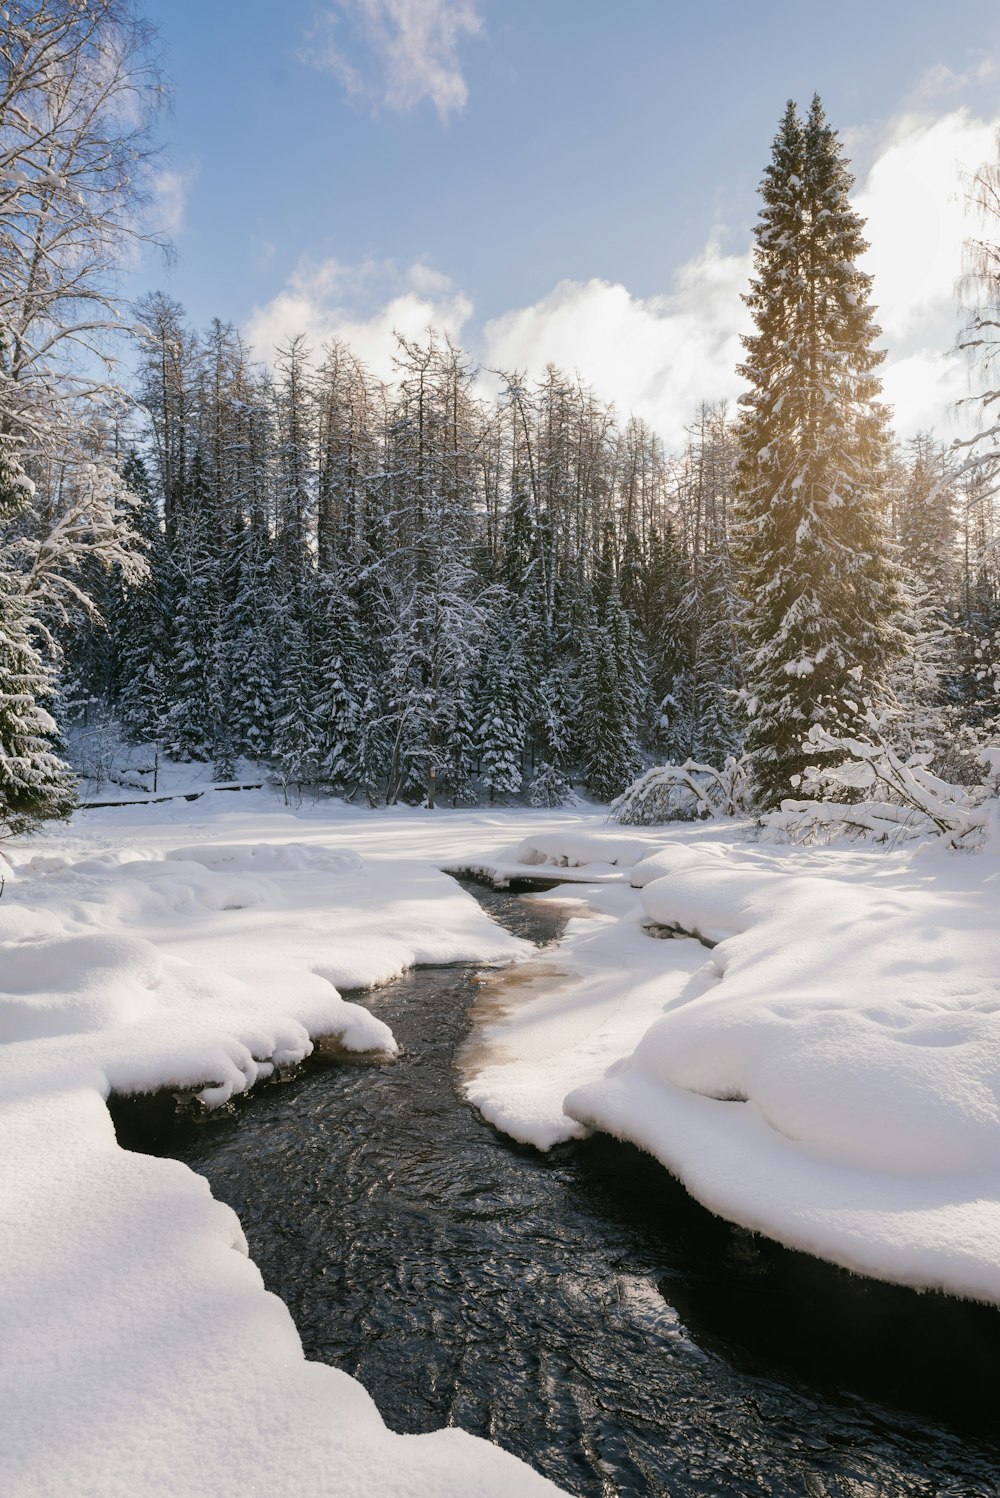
(412, 591)
(420, 591)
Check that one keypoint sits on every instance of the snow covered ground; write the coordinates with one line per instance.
(822, 1066)
(193, 945)
(828, 1072)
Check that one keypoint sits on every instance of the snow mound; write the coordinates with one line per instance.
(270, 857)
(70, 985)
(568, 848)
(828, 1075)
(827, 1018)
(156, 1362)
(174, 888)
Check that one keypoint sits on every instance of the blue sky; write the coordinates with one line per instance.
(533, 171)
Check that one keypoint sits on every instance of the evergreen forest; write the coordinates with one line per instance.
(467, 585)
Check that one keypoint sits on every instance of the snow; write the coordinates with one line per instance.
(818, 1061)
(822, 1065)
(567, 848)
(195, 947)
(560, 1020)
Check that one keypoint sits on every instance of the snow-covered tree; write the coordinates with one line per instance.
(194, 721)
(250, 634)
(339, 680)
(137, 621)
(980, 337)
(820, 589)
(612, 694)
(557, 710)
(78, 95)
(503, 705)
(298, 741)
(923, 678)
(35, 783)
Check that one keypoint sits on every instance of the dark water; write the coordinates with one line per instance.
(578, 1308)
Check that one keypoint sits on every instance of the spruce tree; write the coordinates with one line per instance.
(612, 690)
(339, 680)
(924, 679)
(610, 750)
(503, 708)
(298, 740)
(668, 610)
(820, 590)
(138, 621)
(252, 631)
(194, 719)
(35, 784)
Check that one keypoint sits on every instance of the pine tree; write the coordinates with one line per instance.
(374, 747)
(610, 753)
(820, 590)
(251, 631)
(924, 679)
(502, 707)
(372, 605)
(137, 622)
(459, 744)
(667, 608)
(612, 687)
(339, 682)
(35, 784)
(298, 743)
(194, 721)
(557, 709)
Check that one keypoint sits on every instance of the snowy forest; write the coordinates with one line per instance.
(499, 926)
(415, 592)
(461, 585)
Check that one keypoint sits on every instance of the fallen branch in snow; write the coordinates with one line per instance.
(153, 800)
(914, 802)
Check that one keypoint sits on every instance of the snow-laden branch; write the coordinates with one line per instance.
(683, 792)
(889, 796)
(95, 526)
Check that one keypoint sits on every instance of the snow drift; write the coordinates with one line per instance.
(142, 1353)
(828, 1073)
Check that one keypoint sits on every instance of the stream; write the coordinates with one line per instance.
(577, 1308)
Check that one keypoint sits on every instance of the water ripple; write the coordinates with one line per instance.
(579, 1308)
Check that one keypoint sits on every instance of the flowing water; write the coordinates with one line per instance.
(578, 1307)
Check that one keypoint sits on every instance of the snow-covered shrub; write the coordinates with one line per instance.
(886, 797)
(672, 793)
(93, 748)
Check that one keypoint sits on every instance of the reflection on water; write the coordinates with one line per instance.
(578, 1308)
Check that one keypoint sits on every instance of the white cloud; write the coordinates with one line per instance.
(914, 203)
(365, 306)
(922, 388)
(660, 356)
(940, 82)
(414, 44)
(655, 357)
(169, 192)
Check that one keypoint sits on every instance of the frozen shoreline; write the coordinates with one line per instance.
(155, 948)
(825, 1075)
(828, 1074)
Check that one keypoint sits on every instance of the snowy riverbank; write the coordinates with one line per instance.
(823, 1066)
(827, 1073)
(182, 946)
